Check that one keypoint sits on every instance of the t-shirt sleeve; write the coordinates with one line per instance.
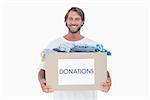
(90, 42)
(50, 46)
(42, 63)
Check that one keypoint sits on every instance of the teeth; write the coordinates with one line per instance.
(73, 26)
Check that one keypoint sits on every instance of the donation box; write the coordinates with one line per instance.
(76, 71)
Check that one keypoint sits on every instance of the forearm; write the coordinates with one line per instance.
(41, 74)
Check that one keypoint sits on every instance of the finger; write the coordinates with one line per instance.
(107, 85)
(44, 85)
(105, 89)
(51, 90)
(108, 80)
(104, 84)
(45, 90)
(43, 82)
(48, 90)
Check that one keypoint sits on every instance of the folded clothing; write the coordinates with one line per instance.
(81, 48)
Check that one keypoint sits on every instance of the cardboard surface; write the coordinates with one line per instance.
(76, 71)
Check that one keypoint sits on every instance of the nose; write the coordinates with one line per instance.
(73, 22)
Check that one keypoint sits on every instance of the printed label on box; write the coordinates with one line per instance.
(76, 72)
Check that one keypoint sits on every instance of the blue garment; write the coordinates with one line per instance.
(66, 47)
(99, 47)
(78, 48)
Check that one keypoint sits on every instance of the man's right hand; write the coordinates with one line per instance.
(44, 87)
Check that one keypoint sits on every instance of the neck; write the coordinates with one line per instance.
(73, 37)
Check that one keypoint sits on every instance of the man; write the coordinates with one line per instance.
(74, 20)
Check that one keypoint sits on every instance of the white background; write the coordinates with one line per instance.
(120, 25)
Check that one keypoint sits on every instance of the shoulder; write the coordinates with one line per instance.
(90, 41)
(56, 40)
(55, 43)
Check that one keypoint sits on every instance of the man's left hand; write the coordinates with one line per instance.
(106, 85)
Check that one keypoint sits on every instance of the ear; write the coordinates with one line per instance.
(66, 24)
(82, 24)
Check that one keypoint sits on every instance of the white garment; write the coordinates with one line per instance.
(71, 95)
(75, 95)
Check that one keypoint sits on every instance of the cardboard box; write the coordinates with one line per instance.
(76, 71)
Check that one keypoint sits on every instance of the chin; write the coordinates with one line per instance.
(73, 32)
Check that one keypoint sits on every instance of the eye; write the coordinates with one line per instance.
(77, 19)
(70, 18)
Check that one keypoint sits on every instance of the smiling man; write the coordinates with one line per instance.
(74, 20)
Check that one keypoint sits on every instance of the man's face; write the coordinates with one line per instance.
(74, 22)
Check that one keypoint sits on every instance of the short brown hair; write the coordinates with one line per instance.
(78, 10)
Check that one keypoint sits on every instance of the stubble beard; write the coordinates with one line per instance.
(73, 32)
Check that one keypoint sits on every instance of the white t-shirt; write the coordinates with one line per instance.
(71, 95)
